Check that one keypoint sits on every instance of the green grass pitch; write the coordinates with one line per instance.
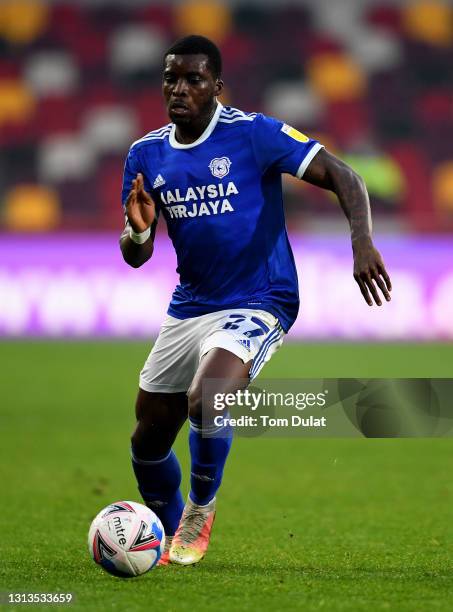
(330, 525)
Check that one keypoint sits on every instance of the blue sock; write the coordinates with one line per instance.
(209, 448)
(158, 483)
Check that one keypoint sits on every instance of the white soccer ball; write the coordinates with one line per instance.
(126, 539)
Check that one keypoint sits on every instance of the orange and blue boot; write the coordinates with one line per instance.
(165, 558)
(191, 539)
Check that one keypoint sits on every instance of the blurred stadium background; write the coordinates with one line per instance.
(356, 524)
(80, 80)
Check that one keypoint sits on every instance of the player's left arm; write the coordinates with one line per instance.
(327, 171)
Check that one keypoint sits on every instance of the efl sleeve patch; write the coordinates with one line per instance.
(295, 134)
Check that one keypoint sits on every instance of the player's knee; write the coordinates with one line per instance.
(140, 441)
(148, 443)
(194, 401)
(159, 418)
(200, 405)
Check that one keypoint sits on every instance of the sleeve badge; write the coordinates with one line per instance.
(294, 134)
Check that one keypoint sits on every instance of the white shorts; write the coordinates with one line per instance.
(251, 335)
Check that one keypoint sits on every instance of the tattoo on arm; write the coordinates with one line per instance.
(329, 172)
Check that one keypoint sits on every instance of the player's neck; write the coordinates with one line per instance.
(187, 134)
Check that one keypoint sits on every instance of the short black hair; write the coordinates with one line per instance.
(194, 45)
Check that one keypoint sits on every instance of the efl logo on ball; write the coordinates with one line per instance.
(220, 166)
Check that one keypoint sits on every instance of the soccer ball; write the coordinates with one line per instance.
(127, 539)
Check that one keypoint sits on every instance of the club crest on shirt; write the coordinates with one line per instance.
(220, 166)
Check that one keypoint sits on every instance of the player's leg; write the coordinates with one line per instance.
(210, 444)
(161, 409)
(232, 355)
(209, 448)
(160, 416)
(234, 350)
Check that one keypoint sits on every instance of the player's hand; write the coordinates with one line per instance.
(370, 273)
(140, 207)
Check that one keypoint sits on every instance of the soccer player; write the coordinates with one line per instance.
(214, 174)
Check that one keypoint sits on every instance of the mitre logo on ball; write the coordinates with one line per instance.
(220, 166)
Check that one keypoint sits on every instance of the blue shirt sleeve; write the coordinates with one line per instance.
(131, 168)
(280, 146)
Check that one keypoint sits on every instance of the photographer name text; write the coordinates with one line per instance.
(264, 420)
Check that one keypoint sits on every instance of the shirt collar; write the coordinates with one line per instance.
(208, 131)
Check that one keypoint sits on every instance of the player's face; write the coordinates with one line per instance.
(189, 87)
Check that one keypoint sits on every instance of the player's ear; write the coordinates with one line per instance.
(218, 87)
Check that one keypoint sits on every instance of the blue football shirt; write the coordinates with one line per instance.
(221, 197)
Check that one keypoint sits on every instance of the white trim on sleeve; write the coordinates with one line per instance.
(307, 159)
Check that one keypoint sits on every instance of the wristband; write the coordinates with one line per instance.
(141, 237)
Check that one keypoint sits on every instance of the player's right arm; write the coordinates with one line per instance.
(137, 239)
